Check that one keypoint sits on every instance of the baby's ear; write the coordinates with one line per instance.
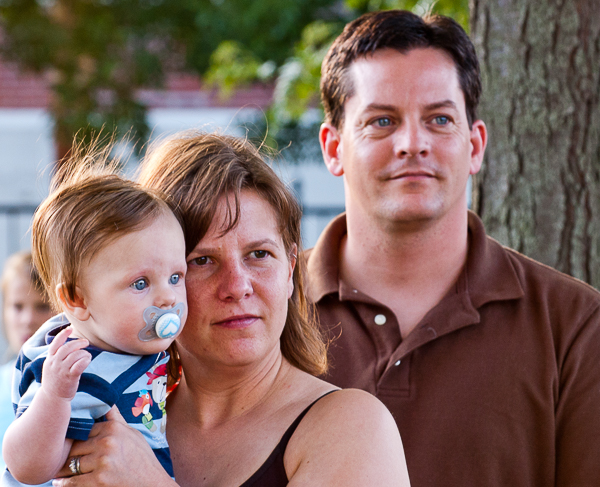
(75, 307)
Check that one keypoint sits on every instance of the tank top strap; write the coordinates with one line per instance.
(292, 429)
(272, 472)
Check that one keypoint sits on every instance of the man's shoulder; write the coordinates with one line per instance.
(540, 280)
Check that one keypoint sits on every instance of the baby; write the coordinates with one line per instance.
(111, 255)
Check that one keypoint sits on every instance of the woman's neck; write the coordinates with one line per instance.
(213, 396)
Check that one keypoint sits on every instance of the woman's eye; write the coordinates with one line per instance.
(441, 120)
(140, 284)
(259, 254)
(174, 279)
(200, 261)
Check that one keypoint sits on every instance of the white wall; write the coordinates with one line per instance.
(26, 155)
(321, 194)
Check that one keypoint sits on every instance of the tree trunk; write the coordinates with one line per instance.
(539, 189)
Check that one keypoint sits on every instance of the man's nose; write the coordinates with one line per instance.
(411, 139)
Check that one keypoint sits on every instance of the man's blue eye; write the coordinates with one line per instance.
(442, 120)
(384, 122)
(174, 279)
(140, 284)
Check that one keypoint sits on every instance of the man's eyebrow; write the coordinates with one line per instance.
(431, 106)
(379, 106)
(441, 104)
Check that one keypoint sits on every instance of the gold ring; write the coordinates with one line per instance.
(74, 466)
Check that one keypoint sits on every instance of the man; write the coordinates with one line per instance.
(489, 361)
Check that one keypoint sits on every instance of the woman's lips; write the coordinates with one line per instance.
(237, 322)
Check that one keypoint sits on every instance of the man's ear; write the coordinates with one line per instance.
(75, 307)
(478, 144)
(331, 147)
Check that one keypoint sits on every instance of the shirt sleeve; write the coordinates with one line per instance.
(93, 399)
(578, 404)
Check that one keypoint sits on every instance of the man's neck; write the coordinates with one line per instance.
(408, 267)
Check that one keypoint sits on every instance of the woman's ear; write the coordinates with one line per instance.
(293, 259)
(75, 307)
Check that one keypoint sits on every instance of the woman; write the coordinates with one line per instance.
(248, 353)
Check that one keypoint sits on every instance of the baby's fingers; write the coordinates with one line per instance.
(79, 360)
(59, 340)
(68, 348)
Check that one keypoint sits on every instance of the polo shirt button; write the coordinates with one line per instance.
(398, 363)
(380, 319)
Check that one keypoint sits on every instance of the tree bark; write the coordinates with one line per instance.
(539, 189)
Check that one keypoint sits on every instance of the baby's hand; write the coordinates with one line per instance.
(64, 365)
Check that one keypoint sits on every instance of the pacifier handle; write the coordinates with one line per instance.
(161, 323)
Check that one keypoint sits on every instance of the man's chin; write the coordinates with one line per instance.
(414, 213)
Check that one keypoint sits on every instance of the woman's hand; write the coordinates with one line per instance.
(114, 455)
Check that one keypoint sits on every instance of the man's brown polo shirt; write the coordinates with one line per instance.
(499, 385)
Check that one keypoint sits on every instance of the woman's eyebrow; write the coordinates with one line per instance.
(252, 244)
(264, 241)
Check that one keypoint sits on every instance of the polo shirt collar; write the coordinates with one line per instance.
(323, 260)
(489, 270)
(488, 275)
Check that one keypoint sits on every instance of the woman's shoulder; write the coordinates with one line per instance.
(350, 411)
(332, 406)
(348, 437)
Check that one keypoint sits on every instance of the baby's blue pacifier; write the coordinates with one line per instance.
(161, 323)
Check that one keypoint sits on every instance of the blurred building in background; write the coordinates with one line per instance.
(27, 149)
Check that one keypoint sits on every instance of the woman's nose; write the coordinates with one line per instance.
(236, 282)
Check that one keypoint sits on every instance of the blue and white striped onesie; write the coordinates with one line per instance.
(135, 383)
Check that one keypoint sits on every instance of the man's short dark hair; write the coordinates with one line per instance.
(402, 31)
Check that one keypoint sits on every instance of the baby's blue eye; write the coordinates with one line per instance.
(174, 279)
(140, 284)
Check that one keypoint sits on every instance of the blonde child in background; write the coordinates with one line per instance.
(25, 308)
(112, 258)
